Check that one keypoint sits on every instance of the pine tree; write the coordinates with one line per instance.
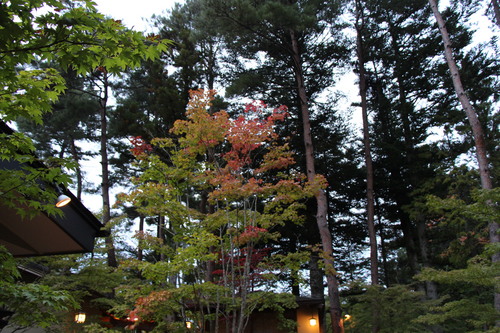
(477, 131)
(283, 31)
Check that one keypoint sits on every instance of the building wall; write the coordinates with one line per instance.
(303, 317)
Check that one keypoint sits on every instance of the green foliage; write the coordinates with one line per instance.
(391, 309)
(467, 289)
(33, 304)
(479, 272)
(8, 269)
(75, 37)
(97, 328)
(465, 315)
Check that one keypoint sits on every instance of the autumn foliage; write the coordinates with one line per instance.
(242, 167)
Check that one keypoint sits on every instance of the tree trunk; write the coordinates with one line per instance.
(78, 171)
(315, 277)
(141, 231)
(431, 291)
(322, 204)
(383, 252)
(496, 11)
(106, 213)
(477, 131)
(370, 203)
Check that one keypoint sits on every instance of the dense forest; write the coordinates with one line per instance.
(244, 179)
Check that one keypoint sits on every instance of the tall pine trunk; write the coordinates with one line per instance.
(370, 202)
(477, 131)
(106, 207)
(322, 204)
(496, 11)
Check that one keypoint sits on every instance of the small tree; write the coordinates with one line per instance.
(252, 188)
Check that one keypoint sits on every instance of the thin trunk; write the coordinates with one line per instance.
(405, 109)
(317, 289)
(431, 291)
(106, 213)
(79, 178)
(477, 130)
(160, 233)
(496, 11)
(322, 204)
(141, 230)
(408, 236)
(383, 252)
(370, 202)
(395, 171)
(294, 273)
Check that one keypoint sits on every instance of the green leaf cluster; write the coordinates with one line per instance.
(74, 36)
(32, 304)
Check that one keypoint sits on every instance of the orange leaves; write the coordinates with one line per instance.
(145, 306)
(237, 152)
(250, 131)
(231, 187)
(234, 158)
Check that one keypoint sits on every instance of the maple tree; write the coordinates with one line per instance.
(247, 169)
(74, 37)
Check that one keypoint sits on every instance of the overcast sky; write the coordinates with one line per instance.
(134, 12)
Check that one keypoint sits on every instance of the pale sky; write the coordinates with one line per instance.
(134, 13)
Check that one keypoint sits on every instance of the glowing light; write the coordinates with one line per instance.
(80, 317)
(62, 201)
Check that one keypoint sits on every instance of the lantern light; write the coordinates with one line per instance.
(80, 317)
(313, 321)
(62, 201)
(189, 324)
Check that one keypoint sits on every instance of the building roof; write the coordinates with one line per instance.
(72, 232)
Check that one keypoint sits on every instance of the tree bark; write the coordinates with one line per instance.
(106, 207)
(477, 131)
(141, 230)
(496, 11)
(370, 202)
(322, 204)
(78, 171)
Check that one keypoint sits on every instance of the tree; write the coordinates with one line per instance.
(467, 274)
(253, 191)
(76, 37)
(477, 131)
(281, 30)
(72, 119)
(370, 201)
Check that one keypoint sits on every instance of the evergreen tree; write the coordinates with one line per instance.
(477, 130)
(284, 32)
